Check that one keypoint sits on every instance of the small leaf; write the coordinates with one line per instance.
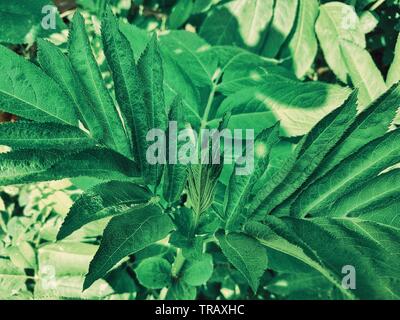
(246, 254)
(393, 75)
(197, 272)
(154, 273)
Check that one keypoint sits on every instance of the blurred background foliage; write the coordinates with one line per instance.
(34, 265)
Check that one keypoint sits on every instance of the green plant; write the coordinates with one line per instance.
(306, 211)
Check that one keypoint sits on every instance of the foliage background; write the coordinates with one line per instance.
(322, 63)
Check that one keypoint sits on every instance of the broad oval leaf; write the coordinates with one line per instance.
(125, 235)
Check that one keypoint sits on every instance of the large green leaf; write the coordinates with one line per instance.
(128, 87)
(58, 67)
(104, 200)
(29, 93)
(125, 235)
(298, 106)
(26, 135)
(301, 47)
(379, 192)
(84, 64)
(313, 149)
(370, 124)
(371, 248)
(242, 23)
(365, 164)
(151, 75)
(12, 280)
(246, 255)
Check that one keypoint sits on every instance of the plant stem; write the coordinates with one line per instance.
(179, 262)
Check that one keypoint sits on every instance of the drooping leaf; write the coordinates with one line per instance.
(85, 66)
(365, 164)
(29, 93)
(104, 200)
(246, 254)
(301, 47)
(125, 235)
(26, 135)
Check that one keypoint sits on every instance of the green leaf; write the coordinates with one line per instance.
(297, 105)
(154, 273)
(180, 13)
(246, 254)
(84, 64)
(242, 69)
(128, 87)
(175, 174)
(281, 25)
(393, 75)
(243, 23)
(379, 192)
(25, 91)
(12, 280)
(365, 164)
(180, 290)
(25, 135)
(371, 123)
(125, 235)
(363, 72)
(313, 149)
(301, 47)
(239, 187)
(338, 22)
(57, 66)
(369, 247)
(199, 271)
(26, 166)
(104, 200)
(61, 270)
(22, 255)
(151, 75)
(21, 22)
